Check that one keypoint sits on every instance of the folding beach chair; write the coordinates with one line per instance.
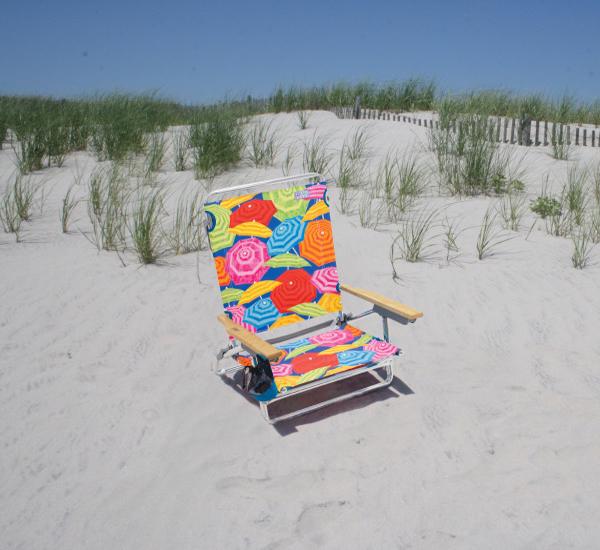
(273, 251)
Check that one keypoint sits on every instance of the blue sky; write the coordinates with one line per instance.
(197, 51)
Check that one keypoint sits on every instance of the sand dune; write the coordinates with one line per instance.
(116, 434)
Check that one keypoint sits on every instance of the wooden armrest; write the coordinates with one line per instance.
(385, 303)
(249, 340)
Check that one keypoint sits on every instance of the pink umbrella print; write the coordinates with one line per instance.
(332, 338)
(237, 316)
(326, 280)
(245, 261)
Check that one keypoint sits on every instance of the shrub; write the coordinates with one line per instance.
(545, 206)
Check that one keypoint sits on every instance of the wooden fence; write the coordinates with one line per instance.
(501, 129)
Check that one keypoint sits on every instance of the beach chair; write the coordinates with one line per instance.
(273, 251)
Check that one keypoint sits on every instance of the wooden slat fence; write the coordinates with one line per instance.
(501, 129)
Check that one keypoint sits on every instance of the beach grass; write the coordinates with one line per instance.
(187, 233)
(317, 156)
(263, 143)
(145, 226)
(217, 139)
(68, 205)
(414, 237)
(489, 236)
(303, 118)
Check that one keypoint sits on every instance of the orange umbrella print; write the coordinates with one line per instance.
(317, 245)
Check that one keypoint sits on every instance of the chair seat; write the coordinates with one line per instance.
(326, 354)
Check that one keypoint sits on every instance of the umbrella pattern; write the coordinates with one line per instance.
(276, 246)
(322, 355)
(295, 288)
(287, 234)
(317, 245)
(326, 280)
(381, 349)
(261, 313)
(222, 274)
(245, 261)
(236, 313)
(289, 202)
(332, 338)
(255, 210)
(218, 227)
(355, 357)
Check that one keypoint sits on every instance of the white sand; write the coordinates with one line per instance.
(114, 432)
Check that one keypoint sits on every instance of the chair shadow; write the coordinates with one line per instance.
(396, 389)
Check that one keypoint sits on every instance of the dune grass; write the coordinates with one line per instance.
(561, 149)
(145, 226)
(317, 156)
(408, 95)
(288, 160)
(181, 144)
(68, 205)
(583, 245)
(263, 144)
(512, 208)
(489, 236)
(467, 161)
(9, 213)
(108, 200)
(218, 141)
(450, 233)
(156, 150)
(303, 118)
(3, 129)
(187, 233)
(414, 237)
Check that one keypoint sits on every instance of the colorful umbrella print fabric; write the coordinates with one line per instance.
(274, 256)
(286, 235)
(245, 261)
(327, 354)
(261, 313)
(326, 280)
(317, 245)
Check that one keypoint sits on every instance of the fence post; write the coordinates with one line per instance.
(512, 130)
(577, 135)
(593, 138)
(585, 137)
(356, 113)
(537, 132)
(498, 124)
(545, 132)
(568, 135)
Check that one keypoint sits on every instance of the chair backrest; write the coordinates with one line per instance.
(272, 244)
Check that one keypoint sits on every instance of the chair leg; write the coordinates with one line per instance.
(264, 409)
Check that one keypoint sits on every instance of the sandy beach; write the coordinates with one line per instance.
(116, 433)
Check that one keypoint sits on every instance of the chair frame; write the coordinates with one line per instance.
(341, 319)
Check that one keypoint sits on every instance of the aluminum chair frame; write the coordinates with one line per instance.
(386, 364)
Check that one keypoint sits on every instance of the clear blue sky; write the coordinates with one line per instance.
(202, 50)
